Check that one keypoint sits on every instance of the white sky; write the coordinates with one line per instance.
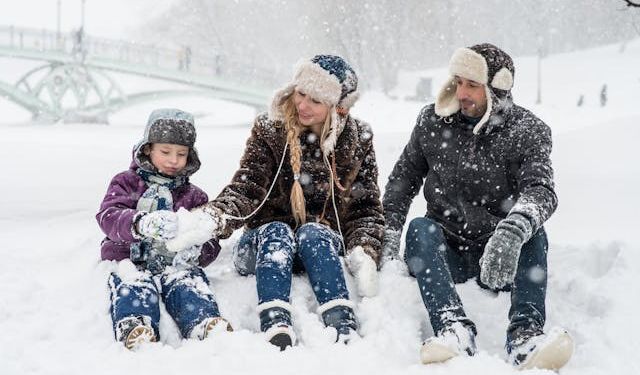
(106, 18)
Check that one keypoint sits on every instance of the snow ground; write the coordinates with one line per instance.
(53, 295)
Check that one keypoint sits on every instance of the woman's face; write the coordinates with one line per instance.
(311, 112)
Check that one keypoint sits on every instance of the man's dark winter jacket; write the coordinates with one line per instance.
(473, 181)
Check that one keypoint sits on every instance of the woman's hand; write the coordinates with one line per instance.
(365, 271)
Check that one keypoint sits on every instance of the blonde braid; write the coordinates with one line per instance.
(298, 207)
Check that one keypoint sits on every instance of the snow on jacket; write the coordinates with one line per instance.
(118, 213)
(359, 206)
(472, 181)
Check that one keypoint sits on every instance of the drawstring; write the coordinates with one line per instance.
(334, 178)
(333, 199)
(284, 153)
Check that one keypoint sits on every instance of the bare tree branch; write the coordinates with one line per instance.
(632, 3)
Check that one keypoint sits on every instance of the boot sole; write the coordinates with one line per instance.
(138, 336)
(281, 340)
(435, 353)
(217, 325)
(281, 336)
(552, 356)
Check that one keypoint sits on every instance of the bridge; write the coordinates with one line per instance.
(75, 82)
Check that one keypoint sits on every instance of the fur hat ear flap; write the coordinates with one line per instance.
(485, 117)
(275, 110)
(503, 80)
(349, 100)
(446, 102)
(337, 125)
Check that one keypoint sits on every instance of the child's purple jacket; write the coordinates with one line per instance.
(118, 211)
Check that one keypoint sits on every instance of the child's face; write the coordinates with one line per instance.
(168, 158)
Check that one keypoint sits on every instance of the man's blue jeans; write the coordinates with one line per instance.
(273, 252)
(439, 262)
(186, 295)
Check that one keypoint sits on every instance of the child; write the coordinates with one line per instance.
(137, 215)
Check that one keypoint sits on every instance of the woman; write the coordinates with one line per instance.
(302, 214)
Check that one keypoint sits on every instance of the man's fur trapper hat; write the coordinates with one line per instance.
(487, 65)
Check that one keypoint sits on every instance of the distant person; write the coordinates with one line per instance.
(137, 215)
(307, 192)
(187, 58)
(603, 95)
(488, 182)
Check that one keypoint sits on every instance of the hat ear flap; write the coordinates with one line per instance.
(503, 80)
(446, 102)
(275, 111)
(349, 100)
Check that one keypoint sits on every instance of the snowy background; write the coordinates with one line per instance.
(53, 294)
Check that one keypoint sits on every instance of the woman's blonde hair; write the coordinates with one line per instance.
(293, 128)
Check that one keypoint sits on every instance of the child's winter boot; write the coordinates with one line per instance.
(134, 331)
(339, 314)
(275, 322)
(454, 340)
(210, 326)
(533, 349)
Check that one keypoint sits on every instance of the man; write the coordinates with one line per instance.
(488, 182)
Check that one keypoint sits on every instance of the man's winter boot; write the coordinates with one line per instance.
(275, 322)
(210, 326)
(534, 349)
(454, 340)
(339, 314)
(134, 331)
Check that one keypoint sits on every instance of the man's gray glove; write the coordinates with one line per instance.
(391, 244)
(499, 262)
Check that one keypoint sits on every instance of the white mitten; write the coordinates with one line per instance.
(159, 225)
(194, 229)
(365, 271)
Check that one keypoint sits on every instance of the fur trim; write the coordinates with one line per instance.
(469, 64)
(337, 126)
(487, 113)
(349, 100)
(333, 303)
(313, 80)
(275, 110)
(503, 80)
(275, 303)
(446, 101)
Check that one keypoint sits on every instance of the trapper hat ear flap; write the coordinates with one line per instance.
(503, 80)
(275, 110)
(446, 101)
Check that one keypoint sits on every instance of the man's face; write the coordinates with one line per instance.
(472, 97)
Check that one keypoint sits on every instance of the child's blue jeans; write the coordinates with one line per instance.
(186, 294)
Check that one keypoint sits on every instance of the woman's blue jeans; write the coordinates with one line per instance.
(273, 252)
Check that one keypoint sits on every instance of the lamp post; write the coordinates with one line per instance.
(58, 8)
(82, 15)
(539, 69)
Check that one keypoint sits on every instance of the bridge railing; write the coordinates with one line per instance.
(81, 46)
